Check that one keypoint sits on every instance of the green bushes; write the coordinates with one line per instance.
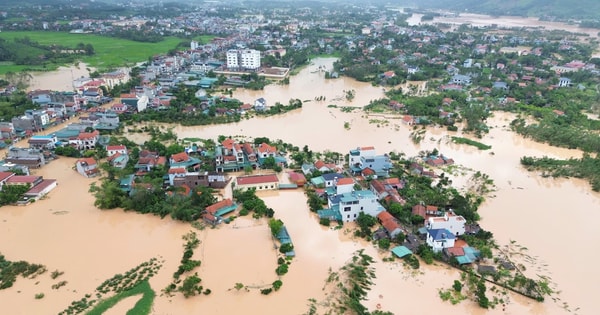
(478, 145)
(281, 269)
(10, 270)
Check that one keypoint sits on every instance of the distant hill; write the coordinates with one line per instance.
(564, 9)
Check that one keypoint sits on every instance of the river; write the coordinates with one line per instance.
(553, 219)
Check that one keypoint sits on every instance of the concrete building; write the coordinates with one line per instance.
(246, 59)
(450, 221)
(32, 158)
(258, 182)
(349, 205)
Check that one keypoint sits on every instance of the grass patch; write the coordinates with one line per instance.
(478, 145)
(110, 52)
(142, 307)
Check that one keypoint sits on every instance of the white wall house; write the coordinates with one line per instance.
(351, 204)
(438, 239)
(113, 149)
(357, 154)
(451, 222)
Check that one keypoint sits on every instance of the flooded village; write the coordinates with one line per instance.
(542, 224)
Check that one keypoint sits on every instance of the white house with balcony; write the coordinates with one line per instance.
(438, 239)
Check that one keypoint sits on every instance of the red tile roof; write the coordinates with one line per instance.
(177, 170)
(265, 148)
(257, 179)
(456, 251)
(23, 179)
(367, 148)
(228, 143)
(345, 181)
(5, 175)
(41, 186)
(88, 161)
(115, 147)
(180, 157)
(419, 210)
(212, 209)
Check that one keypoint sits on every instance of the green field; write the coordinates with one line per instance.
(109, 52)
(142, 307)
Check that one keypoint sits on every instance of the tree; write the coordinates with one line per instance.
(190, 286)
(365, 222)
(276, 225)
(12, 193)
(384, 243)
(109, 195)
(287, 247)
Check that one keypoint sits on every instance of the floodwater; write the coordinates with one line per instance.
(549, 217)
(482, 20)
(61, 79)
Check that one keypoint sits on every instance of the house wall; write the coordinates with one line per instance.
(439, 245)
(454, 224)
(350, 211)
(260, 186)
(45, 191)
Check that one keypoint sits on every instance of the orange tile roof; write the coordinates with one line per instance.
(180, 157)
(212, 209)
(345, 181)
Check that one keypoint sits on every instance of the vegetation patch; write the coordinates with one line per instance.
(191, 284)
(120, 287)
(478, 145)
(141, 307)
(10, 270)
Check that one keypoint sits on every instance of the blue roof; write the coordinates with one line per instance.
(283, 236)
(333, 213)
(441, 234)
(332, 176)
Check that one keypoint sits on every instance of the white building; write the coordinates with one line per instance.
(356, 155)
(450, 221)
(113, 149)
(194, 45)
(438, 239)
(243, 59)
(351, 204)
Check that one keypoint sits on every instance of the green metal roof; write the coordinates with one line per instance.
(317, 181)
(401, 251)
(463, 260)
(225, 210)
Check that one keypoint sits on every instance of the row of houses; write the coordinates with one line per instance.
(38, 186)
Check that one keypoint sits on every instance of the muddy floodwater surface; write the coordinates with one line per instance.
(554, 219)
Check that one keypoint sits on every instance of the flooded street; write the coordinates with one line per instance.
(552, 218)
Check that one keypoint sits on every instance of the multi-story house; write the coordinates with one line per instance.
(364, 158)
(85, 140)
(31, 158)
(42, 142)
(87, 167)
(265, 150)
(450, 221)
(350, 204)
